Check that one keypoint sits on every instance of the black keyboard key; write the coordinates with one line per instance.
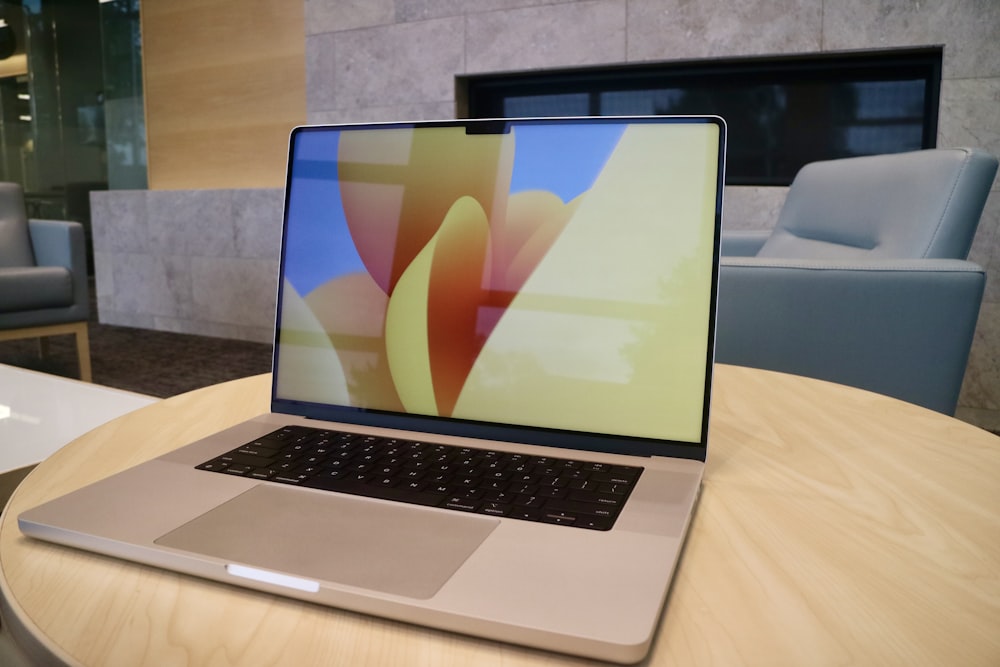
(495, 509)
(213, 466)
(290, 478)
(561, 518)
(470, 494)
(529, 501)
(576, 507)
(236, 458)
(594, 522)
(237, 470)
(525, 513)
(258, 448)
(461, 504)
(612, 478)
(607, 499)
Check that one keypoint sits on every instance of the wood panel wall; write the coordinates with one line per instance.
(224, 83)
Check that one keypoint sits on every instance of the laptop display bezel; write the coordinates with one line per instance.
(533, 435)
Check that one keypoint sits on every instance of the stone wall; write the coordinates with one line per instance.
(192, 261)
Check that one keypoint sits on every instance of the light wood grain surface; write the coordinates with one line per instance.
(224, 83)
(835, 527)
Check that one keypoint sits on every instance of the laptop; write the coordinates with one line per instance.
(491, 385)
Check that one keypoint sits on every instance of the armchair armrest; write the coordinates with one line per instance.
(62, 243)
(743, 243)
(896, 327)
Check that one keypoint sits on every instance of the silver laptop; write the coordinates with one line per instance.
(492, 373)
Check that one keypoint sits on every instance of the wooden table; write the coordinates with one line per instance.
(835, 527)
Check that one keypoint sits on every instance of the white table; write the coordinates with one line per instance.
(39, 413)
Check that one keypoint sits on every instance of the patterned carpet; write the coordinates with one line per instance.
(156, 363)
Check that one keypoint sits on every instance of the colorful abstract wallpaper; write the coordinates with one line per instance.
(558, 275)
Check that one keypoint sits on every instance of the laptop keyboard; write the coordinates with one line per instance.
(532, 488)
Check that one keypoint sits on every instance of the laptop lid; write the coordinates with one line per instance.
(549, 281)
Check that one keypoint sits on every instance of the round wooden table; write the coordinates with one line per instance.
(835, 527)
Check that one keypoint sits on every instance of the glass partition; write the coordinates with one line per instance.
(71, 111)
(124, 118)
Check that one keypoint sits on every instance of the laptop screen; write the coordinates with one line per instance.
(554, 276)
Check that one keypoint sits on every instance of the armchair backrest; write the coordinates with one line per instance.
(905, 205)
(15, 242)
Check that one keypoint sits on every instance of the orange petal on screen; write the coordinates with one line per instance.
(431, 335)
(455, 298)
(396, 188)
(462, 311)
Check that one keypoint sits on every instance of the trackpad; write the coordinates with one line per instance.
(398, 549)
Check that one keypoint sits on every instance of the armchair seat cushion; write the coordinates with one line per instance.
(26, 288)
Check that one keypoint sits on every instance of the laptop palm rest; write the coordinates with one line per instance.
(397, 549)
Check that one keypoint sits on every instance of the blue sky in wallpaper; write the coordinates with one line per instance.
(563, 159)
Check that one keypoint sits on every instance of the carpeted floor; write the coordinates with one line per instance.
(156, 363)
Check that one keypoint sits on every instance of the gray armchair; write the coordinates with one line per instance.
(864, 279)
(43, 277)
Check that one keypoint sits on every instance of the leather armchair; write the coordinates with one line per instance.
(864, 279)
(44, 290)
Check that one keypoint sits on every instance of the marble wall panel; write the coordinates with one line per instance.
(104, 281)
(148, 284)
(984, 247)
(969, 113)
(257, 216)
(369, 114)
(190, 222)
(214, 329)
(323, 16)
(418, 10)
(675, 29)
(123, 225)
(981, 389)
(967, 28)
(234, 290)
(559, 35)
(133, 320)
(212, 278)
(321, 71)
(386, 66)
(749, 208)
